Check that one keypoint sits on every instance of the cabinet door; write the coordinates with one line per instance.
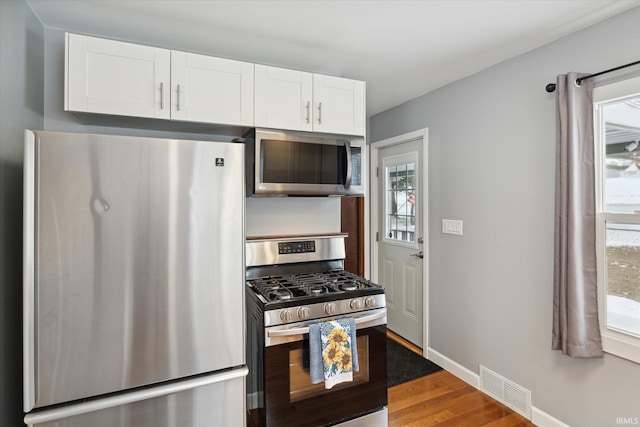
(339, 105)
(211, 90)
(283, 98)
(110, 77)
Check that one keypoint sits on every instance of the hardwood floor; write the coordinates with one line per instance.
(405, 343)
(442, 399)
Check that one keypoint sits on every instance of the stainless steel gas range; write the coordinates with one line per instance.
(292, 283)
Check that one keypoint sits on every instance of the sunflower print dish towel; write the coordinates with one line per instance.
(332, 357)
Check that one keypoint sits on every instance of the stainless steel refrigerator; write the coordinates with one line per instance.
(133, 282)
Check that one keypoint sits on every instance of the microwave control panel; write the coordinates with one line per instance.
(296, 247)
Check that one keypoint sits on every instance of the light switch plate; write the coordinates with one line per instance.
(452, 226)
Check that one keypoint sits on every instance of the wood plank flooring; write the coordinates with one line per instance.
(442, 399)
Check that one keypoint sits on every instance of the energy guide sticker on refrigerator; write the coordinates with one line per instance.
(133, 282)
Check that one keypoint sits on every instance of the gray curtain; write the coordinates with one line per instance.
(576, 331)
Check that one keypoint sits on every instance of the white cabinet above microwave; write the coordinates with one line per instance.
(297, 100)
(112, 77)
(210, 89)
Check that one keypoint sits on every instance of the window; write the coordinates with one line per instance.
(400, 224)
(617, 127)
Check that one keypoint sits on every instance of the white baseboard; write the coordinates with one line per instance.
(455, 368)
(538, 417)
(542, 419)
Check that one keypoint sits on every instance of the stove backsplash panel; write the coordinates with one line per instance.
(273, 216)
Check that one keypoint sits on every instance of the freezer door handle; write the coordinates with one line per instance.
(135, 396)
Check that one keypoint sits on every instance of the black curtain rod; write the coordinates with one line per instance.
(552, 86)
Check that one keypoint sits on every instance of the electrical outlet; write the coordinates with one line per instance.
(452, 226)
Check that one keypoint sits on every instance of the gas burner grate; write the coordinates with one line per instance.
(307, 285)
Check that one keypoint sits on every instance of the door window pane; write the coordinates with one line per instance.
(400, 202)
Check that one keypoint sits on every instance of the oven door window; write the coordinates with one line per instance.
(300, 386)
(291, 162)
(291, 399)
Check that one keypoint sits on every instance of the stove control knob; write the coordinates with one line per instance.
(370, 302)
(285, 316)
(355, 304)
(303, 312)
(330, 308)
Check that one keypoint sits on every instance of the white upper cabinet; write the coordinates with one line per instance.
(126, 79)
(110, 77)
(284, 98)
(295, 100)
(339, 105)
(209, 89)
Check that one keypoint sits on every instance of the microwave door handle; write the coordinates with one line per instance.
(347, 179)
(305, 330)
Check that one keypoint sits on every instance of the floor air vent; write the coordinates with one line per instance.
(507, 392)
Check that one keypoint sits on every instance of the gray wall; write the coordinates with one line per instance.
(491, 164)
(21, 107)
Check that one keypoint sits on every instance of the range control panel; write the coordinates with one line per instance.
(270, 251)
(296, 247)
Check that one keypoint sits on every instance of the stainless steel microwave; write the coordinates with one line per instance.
(304, 164)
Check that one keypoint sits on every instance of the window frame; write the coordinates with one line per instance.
(614, 341)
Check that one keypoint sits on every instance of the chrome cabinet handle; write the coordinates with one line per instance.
(178, 98)
(319, 113)
(161, 95)
(308, 108)
(418, 255)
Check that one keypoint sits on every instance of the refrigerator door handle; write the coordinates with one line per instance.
(48, 415)
(28, 273)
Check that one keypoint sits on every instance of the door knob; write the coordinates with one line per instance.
(418, 255)
(420, 240)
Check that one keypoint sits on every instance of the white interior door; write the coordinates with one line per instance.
(401, 198)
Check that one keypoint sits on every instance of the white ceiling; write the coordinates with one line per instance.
(402, 49)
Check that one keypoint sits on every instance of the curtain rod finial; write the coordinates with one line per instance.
(551, 87)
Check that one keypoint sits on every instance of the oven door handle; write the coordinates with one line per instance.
(305, 330)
